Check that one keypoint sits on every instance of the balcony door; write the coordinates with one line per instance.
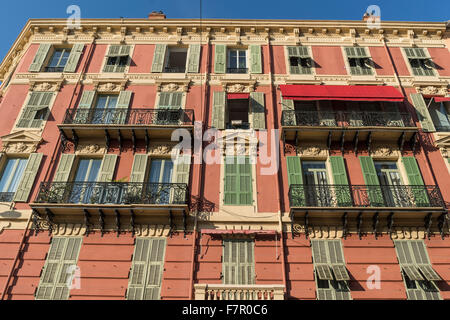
(83, 188)
(104, 112)
(10, 178)
(160, 179)
(317, 188)
(391, 184)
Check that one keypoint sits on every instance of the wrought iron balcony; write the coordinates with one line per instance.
(293, 118)
(54, 69)
(362, 196)
(113, 193)
(170, 69)
(6, 196)
(237, 70)
(137, 117)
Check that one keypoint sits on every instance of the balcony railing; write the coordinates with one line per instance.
(237, 70)
(142, 117)
(54, 69)
(365, 196)
(113, 193)
(238, 292)
(442, 128)
(6, 196)
(346, 119)
(170, 69)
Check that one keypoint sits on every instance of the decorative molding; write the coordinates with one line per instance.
(160, 149)
(408, 233)
(90, 148)
(69, 229)
(385, 152)
(4, 225)
(24, 142)
(48, 86)
(150, 230)
(312, 151)
(239, 87)
(110, 85)
(173, 85)
(433, 90)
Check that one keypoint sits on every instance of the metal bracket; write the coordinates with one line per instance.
(344, 225)
(147, 142)
(87, 215)
(101, 221)
(428, 221)
(329, 140)
(369, 141)
(117, 222)
(413, 142)
(441, 223)
(133, 231)
(342, 141)
(35, 215)
(375, 222)
(171, 224)
(359, 221)
(390, 223)
(184, 223)
(284, 143)
(133, 139)
(63, 139)
(75, 139)
(292, 224)
(356, 140)
(108, 139)
(401, 142)
(306, 225)
(120, 140)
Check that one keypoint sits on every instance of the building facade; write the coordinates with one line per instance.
(225, 159)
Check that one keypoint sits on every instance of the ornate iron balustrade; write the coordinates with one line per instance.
(365, 196)
(237, 70)
(171, 69)
(54, 69)
(112, 193)
(7, 196)
(346, 119)
(162, 116)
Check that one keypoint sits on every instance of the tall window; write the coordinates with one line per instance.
(176, 60)
(317, 189)
(420, 61)
(161, 171)
(391, 182)
(58, 60)
(12, 173)
(439, 114)
(237, 61)
(299, 60)
(238, 110)
(83, 188)
(118, 58)
(105, 109)
(359, 61)
(238, 266)
(238, 181)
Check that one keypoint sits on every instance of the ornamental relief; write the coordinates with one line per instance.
(312, 151)
(45, 86)
(160, 149)
(173, 86)
(110, 86)
(432, 90)
(385, 152)
(238, 87)
(21, 142)
(91, 149)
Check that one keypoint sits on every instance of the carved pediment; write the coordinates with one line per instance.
(385, 152)
(173, 85)
(91, 148)
(21, 142)
(46, 86)
(160, 149)
(312, 151)
(433, 90)
(239, 87)
(110, 85)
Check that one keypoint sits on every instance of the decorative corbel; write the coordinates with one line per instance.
(410, 34)
(352, 33)
(65, 35)
(123, 33)
(237, 32)
(179, 34)
(297, 36)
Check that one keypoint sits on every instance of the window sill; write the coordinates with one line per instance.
(173, 75)
(240, 76)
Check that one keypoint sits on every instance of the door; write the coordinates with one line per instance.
(391, 184)
(83, 190)
(317, 189)
(104, 112)
(160, 181)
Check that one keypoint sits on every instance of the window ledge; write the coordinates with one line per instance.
(240, 76)
(169, 75)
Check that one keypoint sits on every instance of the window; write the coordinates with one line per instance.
(11, 176)
(330, 271)
(176, 60)
(419, 61)
(439, 115)
(160, 180)
(105, 112)
(146, 269)
(417, 271)
(36, 111)
(314, 113)
(317, 188)
(238, 110)
(84, 188)
(391, 182)
(58, 60)
(299, 60)
(359, 61)
(60, 264)
(238, 181)
(237, 61)
(117, 59)
(169, 108)
(238, 265)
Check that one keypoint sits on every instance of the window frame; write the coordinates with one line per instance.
(426, 57)
(167, 57)
(247, 60)
(369, 63)
(4, 164)
(58, 67)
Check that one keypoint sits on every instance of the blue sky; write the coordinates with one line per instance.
(15, 13)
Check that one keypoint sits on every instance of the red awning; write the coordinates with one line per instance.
(238, 96)
(217, 231)
(441, 99)
(346, 93)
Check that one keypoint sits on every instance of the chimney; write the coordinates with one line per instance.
(366, 16)
(157, 15)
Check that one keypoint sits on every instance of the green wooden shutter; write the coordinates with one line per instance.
(218, 112)
(121, 110)
(238, 262)
(182, 170)
(64, 168)
(176, 100)
(37, 102)
(372, 182)
(29, 175)
(422, 112)
(255, 59)
(300, 52)
(40, 57)
(220, 58)
(295, 177)
(44, 105)
(84, 106)
(194, 58)
(158, 58)
(164, 100)
(245, 190)
(107, 168)
(288, 112)
(231, 186)
(147, 269)
(343, 193)
(258, 110)
(139, 168)
(415, 179)
(74, 57)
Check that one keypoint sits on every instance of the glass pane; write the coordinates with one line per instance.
(168, 168)
(112, 102)
(101, 102)
(64, 58)
(55, 59)
(155, 170)
(95, 168)
(17, 175)
(12, 175)
(6, 174)
(83, 166)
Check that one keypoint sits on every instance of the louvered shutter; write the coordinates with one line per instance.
(288, 111)
(245, 191)
(38, 101)
(64, 168)
(422, 112)
(83, 112)
(121, 110)
(107, 168)
(29, 175)
(299, 52)
(182, 170)
(337, 261)
(43, 106)
(372, 182)
(218, 112)
(231, 187)
(238, 262)
(155, 269)
(295, 179)
(258, 110)
(139, 169)
(320, 260)
(416, 182)
(194, 58)
(74, 57)
(40, 57)
(138, 271)
(113, 51)
(158, 58)
(342, 190)
(255, 59)
(220, 58)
